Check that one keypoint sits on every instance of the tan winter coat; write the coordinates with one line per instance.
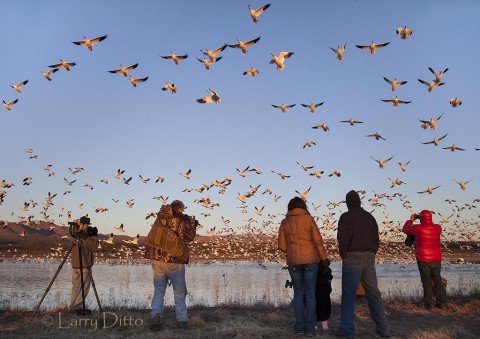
(300, 238)
(90, 244)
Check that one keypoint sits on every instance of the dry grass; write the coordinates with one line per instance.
(408, 319)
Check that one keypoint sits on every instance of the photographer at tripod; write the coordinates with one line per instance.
(86, 241)
(82, 260)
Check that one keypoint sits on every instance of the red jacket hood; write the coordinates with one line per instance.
(425, 217)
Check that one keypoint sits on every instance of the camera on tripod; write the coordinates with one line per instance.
(76, 229)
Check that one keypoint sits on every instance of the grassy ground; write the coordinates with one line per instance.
(408, 319)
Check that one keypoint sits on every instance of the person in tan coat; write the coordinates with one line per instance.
(300, 239)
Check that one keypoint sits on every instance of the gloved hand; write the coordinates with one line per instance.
(324, 265)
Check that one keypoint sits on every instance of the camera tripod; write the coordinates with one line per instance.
(81, 254)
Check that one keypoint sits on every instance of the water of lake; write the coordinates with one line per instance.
(22, 284)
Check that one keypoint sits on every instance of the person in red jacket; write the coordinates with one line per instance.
(428, 252)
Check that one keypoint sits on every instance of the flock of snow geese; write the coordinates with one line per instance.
(211, 57)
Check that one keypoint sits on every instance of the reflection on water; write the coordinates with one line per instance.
(22, 284)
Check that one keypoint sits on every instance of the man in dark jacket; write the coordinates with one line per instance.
(358, 243)
(89, 245)
(428, 252)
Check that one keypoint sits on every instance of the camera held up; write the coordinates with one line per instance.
(76, 230)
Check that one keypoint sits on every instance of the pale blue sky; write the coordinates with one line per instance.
(97, 120)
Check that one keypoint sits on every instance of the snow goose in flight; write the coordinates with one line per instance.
(432, 123)
(207, 62)
(244, 45)
(373, 46)
(282, 176)
(455, 102)
(323, 126)
(48, 75)
(174, 57)
(212, 54)
(431, 85)
(376, 136)
(335, 173)
(124, 70)
(18, 87)
(438, 76)
(339, 51)
(396, 101)
(381, 163)
(316, 174)
(10, 104)
(352, 122)
(279, 61)
(396, 182)
(212, 98)
(435, 141)
(243, 172)
(134, 241)
(120, 228)
(404, 32)
(137, 81)
(454, 148)
(304, 194)
(309, 144)
(65, 64)
(171, 87)
(90, 42)
(305, 168)
(404, 166)
(429, 190)
(118, 173)
(142, 179)
(255, 13)
(252, 71)
(463, 185)
(312, 106)
(186, 175)
(109, 239)
(394, 83)
(283, 107)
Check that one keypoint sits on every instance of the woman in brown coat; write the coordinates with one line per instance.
(300, 238)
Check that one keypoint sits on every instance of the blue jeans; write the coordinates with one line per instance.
(304, 279)
(162, 272)
(356, 267)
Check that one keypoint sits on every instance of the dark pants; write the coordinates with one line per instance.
(430, 271)
(323, 302)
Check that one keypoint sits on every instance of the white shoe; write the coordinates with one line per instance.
(325, 325)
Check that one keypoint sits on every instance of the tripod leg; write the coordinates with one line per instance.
(82, 283)
(51, 282)
(91, 279)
